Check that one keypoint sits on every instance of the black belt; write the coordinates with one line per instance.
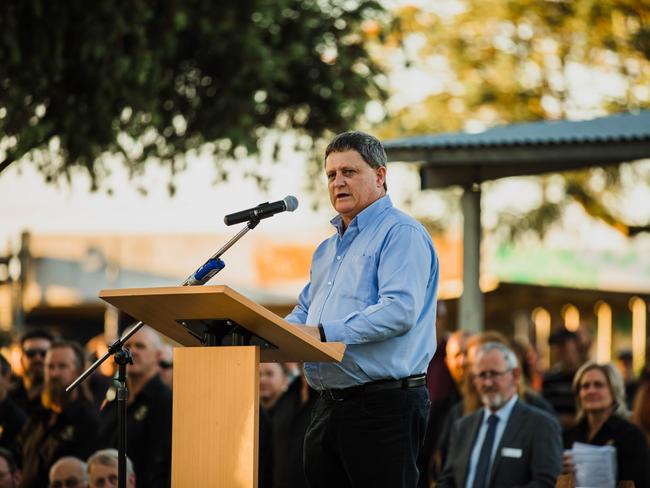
(374, 386)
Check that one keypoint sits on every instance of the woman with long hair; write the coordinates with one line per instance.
(602, 420)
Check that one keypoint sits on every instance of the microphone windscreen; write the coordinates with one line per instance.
(291, 203)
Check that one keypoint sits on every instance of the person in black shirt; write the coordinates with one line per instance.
(27, 392)
(600, 399)
(66, 424)
(290, 417)
(444, 379)
(149, 414)
(274, 381)
(12, 418)
(626, 368)
(567, 353)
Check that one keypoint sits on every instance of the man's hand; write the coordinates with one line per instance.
(312, 330)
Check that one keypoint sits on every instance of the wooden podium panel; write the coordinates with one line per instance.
(162, 308)
(216, 417)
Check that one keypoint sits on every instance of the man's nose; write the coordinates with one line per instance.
(339, 180)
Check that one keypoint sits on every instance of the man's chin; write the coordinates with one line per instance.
(58, 396)
(493, 402)
(344, 205)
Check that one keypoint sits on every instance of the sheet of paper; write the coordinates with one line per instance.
(595, 465)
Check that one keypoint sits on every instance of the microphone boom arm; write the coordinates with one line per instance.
(119, 343)
(213, 265)
(123, 357)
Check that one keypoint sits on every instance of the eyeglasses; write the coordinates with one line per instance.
(32, 353)
(166, 364)
(490, 374)
(71, 482)
(110, 480)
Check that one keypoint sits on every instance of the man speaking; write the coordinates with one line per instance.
(373, 287)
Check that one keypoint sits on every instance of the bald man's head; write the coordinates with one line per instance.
(68, 471)
(145, 347)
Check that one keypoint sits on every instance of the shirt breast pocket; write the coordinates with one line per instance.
(360, 278)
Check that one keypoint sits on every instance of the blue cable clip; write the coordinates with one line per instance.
(206, 272)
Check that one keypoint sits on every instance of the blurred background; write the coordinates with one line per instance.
(518, 133)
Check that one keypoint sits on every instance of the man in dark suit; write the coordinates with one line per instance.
(506, 443)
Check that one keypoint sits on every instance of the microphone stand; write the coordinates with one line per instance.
(122, 356)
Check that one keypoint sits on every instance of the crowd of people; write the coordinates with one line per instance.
(542, 412)
(49, 437)
(58, 438)
(575, 400)
(545, 412)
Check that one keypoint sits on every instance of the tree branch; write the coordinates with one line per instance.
(5, 164)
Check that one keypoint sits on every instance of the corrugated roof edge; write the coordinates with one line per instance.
(618, 127)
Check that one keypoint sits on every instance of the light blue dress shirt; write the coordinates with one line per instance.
(504, 414)
(373, 287)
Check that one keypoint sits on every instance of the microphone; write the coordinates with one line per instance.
(262, 211)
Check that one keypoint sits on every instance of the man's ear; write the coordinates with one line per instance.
(381, 176)
(516, 374)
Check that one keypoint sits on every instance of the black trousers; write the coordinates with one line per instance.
(371, 440)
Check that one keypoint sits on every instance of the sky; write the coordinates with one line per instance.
(198, 206)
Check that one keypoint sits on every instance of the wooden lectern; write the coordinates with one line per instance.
(216, 389)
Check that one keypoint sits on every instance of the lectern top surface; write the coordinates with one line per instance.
(163, 308)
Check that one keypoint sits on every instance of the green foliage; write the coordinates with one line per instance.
(497, 62)
(510, 61)
(152, 80)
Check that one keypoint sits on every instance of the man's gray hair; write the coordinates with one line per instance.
(369, 147)
(109, 457)
(507, 353)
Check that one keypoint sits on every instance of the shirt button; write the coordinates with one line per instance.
(338, 258)
(329, 283)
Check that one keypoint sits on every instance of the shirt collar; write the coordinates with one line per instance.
(367, 215)
(503, 413)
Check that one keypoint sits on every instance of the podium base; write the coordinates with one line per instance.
(215, 417)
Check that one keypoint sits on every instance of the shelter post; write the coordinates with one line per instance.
(471, 314)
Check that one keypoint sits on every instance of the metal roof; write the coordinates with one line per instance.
(525, 149)
(623, 127)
